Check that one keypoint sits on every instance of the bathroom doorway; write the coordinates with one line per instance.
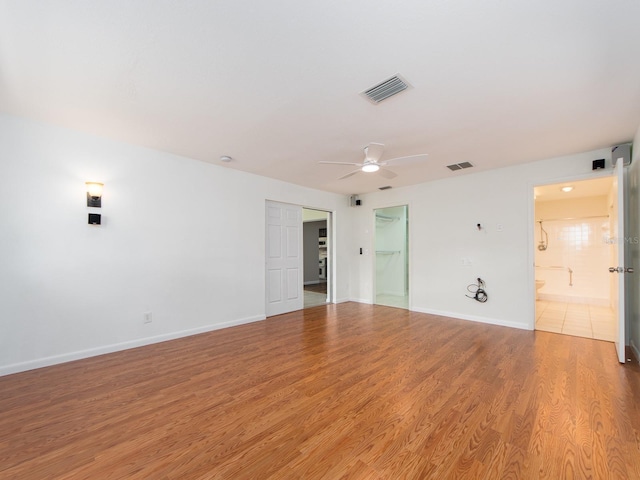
(392, 256)
(572, 250)
(317, 264)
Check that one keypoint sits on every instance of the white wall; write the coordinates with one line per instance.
(443, 216)
(180, 238)
(598, 205)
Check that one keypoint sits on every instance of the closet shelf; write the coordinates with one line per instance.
(387, 252)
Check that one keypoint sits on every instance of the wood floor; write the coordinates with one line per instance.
(350, 391)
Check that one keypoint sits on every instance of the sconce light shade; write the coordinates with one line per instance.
(94, 194)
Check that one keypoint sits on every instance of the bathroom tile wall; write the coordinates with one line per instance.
(582, 246)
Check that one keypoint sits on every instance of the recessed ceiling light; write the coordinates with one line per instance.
(567, 189)
(225, 158)
(370, 167)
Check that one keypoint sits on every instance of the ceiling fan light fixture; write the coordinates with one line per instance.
(370, 167)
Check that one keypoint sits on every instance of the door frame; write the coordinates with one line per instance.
(532, 238)
(330, 252)
(372, 249)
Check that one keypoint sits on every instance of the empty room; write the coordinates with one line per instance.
(319, 240)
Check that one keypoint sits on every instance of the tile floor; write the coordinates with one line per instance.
(577, 319)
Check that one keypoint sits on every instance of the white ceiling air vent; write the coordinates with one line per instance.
(385, 89)
(459, 166)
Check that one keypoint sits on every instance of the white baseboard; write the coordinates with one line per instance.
(116, 347)
(342, 300)
(473, 318)
(361, 300)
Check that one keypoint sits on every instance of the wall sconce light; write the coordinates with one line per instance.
(94, 194)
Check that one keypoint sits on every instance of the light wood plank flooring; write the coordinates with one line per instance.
(338, 391)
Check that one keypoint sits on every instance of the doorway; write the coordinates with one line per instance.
(574, 225)
(317, 260)
(392, 256)
(298, 254)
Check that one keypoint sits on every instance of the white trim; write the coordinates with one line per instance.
(368, 301)
(473, 318)
(636, 352)
(117, 347)
(343, 300)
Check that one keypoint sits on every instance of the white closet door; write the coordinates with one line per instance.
(283, 258)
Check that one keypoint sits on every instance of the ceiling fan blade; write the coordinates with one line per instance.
(373, 152)
(413, 158)
(387, 173)
(349, 174)
(341, 163)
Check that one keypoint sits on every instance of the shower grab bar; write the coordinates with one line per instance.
(558, 267)
(571, 218)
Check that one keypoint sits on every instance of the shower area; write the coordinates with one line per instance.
(392, 257)
(572, 255)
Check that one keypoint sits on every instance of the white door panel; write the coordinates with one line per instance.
(292, 284)
(284, 258)
(274, 282)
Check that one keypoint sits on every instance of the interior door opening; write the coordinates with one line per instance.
(392, 256)
(574, 240)
(317, 258)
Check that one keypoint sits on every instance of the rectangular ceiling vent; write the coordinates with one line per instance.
(387, 187)
(459, 166)
(385, 89)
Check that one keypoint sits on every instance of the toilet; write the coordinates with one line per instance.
(539, 285)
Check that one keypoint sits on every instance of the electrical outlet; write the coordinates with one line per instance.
(147, 317)
(499, 227)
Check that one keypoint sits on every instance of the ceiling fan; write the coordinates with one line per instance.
(372, 163)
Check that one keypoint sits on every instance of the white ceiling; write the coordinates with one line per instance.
(276, 85)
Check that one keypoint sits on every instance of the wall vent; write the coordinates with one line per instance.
(459, 166)
(385, 89)
(386, 187)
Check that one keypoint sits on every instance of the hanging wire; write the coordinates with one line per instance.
(478, 291)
